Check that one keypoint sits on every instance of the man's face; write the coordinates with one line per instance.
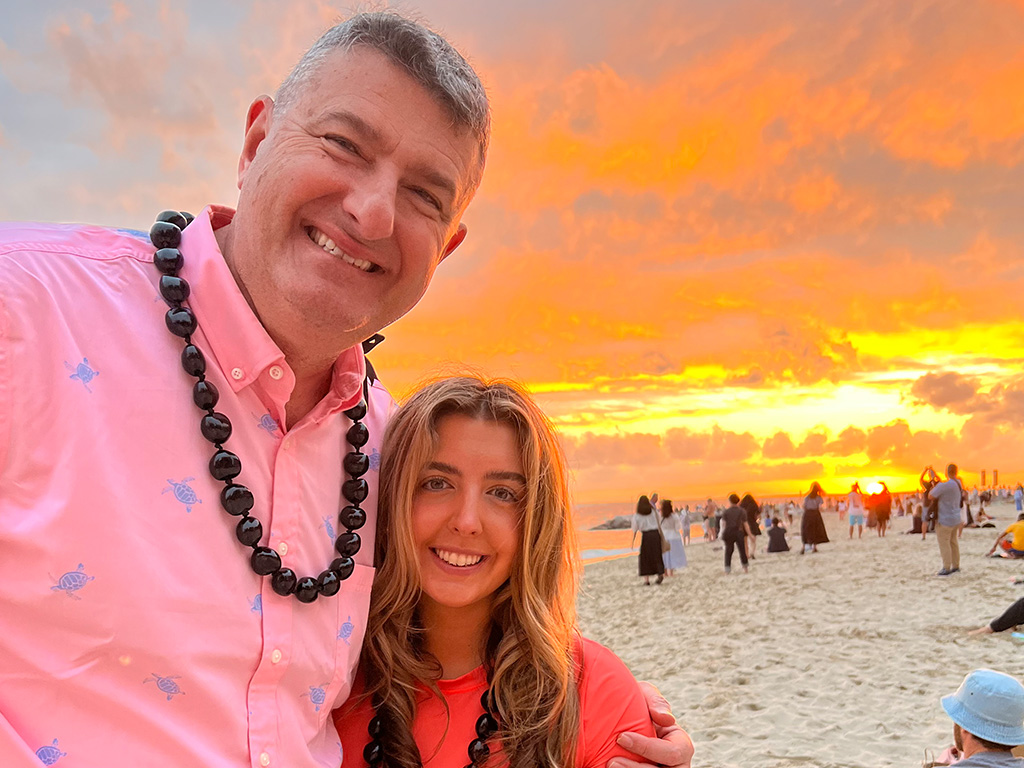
(350, 198)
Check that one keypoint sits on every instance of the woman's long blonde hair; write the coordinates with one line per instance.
(529, 653)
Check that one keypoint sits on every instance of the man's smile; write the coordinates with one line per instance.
(328, 245)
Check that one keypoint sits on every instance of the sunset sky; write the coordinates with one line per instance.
(729, 245)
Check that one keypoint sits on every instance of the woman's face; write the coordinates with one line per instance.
(466, 510)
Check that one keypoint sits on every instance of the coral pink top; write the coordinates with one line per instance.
(610, 700)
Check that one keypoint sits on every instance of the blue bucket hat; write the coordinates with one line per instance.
(990, 705)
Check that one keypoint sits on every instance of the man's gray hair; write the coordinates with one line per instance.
(426, 56)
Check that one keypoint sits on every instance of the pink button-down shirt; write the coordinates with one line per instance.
(133, 631)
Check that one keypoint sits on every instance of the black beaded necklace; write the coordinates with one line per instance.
(486, 727)
(236, 499)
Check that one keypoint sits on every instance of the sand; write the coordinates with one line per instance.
(833, 660)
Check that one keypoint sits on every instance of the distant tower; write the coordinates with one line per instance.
(983, 478)
(995, 478)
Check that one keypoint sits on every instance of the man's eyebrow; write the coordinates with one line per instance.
(354, 121)
(440, 181)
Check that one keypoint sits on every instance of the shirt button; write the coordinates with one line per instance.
(276, 656)
(264, 759)
(283, 548)
(275, 372)
(236, 374)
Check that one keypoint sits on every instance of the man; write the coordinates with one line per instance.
(712, 518)
(987, 711)
(1016, 531)
(735, 531)
(949, 495)
(855, 509)
(138, 619)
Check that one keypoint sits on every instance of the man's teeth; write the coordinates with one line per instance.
(328, 245)
(459, 560)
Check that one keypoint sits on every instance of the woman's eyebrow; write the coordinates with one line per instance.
(440, 466)
(506, 476)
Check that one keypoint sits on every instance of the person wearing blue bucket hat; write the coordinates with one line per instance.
(987, 711)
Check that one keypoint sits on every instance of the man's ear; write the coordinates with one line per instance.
(257, 126)
(455, 241)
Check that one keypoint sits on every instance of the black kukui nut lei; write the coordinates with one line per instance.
(478, 751)
(236, 499)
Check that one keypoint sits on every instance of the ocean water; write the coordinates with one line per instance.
(607, 545)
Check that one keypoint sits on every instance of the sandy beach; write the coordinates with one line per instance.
(831, 660)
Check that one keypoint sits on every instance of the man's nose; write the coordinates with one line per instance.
(370, 204)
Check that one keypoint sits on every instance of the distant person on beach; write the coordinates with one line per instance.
(735, 531)
(812, 527)
(646, 522)
(855, 509)
(1011, 618)
(687, 522)
(1014, 530)
(883, 509)
(790, 509)
(711, 515)
(777, 537)
(949, 495)
(1018, 497)
(929, 479)
(753, 511)
(982, 520)
(675, 557)
(987, 711)
(915, 520)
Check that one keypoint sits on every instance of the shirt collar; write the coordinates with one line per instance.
(237, 341)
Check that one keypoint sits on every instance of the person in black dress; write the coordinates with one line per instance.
(812, 527)
(646, 522)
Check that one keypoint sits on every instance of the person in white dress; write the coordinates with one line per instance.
(671, 524)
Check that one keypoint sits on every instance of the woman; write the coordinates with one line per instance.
(671, 523)
(472, 638)
(753, 511)
(812, 527)
(646, 522)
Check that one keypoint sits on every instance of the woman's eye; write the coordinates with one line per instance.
(435, 484)
(506, 494)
